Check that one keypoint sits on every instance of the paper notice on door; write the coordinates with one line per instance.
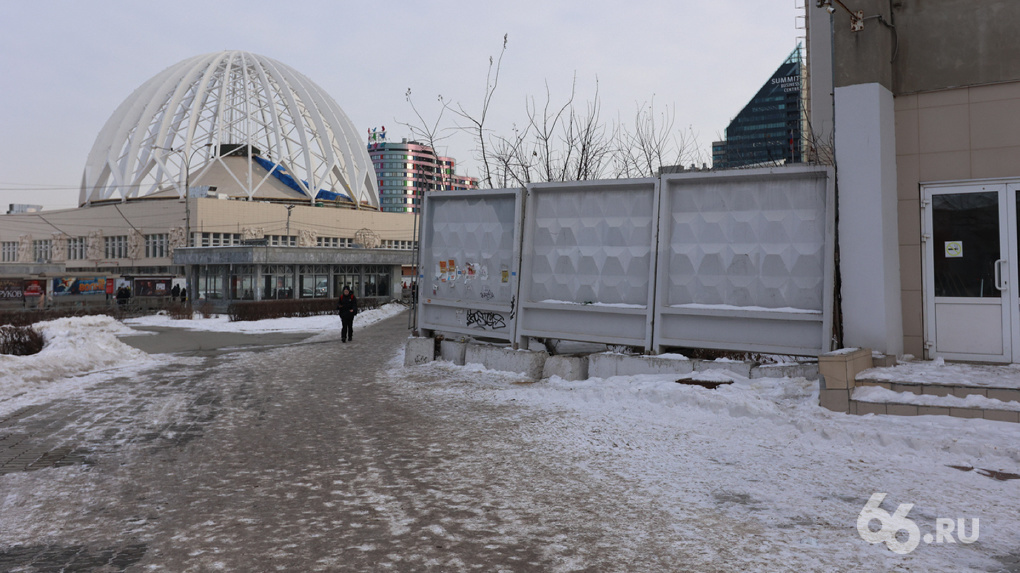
(954, 249)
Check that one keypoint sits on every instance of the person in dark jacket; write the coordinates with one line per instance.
(347, 307)
(123, 295)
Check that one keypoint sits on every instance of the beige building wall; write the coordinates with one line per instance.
(138, 218)
(957, 134)
(306, 222)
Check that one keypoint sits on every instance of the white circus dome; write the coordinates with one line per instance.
(250, 119)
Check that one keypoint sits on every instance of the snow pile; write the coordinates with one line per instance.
(79, 351)
(74, 346)
(221, 323)
(776, 480)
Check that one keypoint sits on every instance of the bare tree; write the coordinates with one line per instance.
(475, 124)
(818, 148)
(513, 158)
(562, 142)
(592, 141)
(653, 144)
(559, 143)
(422, 129)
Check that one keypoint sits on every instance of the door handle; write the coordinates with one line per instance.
(1000, 281)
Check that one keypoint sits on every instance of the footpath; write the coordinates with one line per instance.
(256, 453)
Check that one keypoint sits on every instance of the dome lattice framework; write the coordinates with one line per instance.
(229, 103)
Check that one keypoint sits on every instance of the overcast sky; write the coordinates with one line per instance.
(65, 66)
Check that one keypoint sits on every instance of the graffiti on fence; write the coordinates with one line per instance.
(485, 320)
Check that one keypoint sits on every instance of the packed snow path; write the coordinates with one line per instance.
(304, 458)
(328, 456)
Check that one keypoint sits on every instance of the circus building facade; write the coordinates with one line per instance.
(230, 170)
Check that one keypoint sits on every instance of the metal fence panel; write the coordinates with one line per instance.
(588, 261)
(746, 261)
(470, 253)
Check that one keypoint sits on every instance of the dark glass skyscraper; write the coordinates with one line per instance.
(768, 130)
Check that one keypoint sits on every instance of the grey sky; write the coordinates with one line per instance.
(65, 66)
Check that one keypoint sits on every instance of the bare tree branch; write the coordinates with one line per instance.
(653, 144)
(562, 142)
(475, 125)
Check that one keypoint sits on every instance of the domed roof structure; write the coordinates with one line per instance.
(250, 119)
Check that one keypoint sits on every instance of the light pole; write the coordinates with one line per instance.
(187, 185)
(192, 291)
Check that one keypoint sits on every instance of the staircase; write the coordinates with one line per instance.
(857, 381)
(986, 393)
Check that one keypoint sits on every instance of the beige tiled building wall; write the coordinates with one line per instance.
(956, 134)
(167, 216)
(217, 216)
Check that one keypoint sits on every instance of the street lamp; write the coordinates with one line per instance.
(187, 206)
(187, 185)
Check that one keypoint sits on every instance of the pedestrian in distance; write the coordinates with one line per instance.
(347, 308)
(123, 294)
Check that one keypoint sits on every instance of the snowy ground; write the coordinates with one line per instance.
(758, 465)
(753, 474)
(78, 352)
(81, 351)
(220, 323)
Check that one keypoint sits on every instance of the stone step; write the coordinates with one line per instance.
(905, 403)
(1004, 394)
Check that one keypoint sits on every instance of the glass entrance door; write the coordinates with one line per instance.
(968, 275)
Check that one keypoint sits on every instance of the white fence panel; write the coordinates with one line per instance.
(588, 263)
(746, 260)
(470, 261)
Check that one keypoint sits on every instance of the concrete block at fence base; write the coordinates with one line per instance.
(741, 368)
(524, 362)
(453, 351)
(608, 364)
(419, 351)
(807, 370)
(566, 367)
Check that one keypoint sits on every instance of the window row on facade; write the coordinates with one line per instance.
(77, 248)
(251, 282)
(158, 246)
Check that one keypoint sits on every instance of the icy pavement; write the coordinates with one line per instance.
(221, 323)
(330, 457)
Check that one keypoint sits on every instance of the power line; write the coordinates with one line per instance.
(53, 187)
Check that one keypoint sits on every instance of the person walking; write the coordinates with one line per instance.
(123, 295)
(347, 307)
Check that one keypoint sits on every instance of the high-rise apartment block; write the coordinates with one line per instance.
(407, 169)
